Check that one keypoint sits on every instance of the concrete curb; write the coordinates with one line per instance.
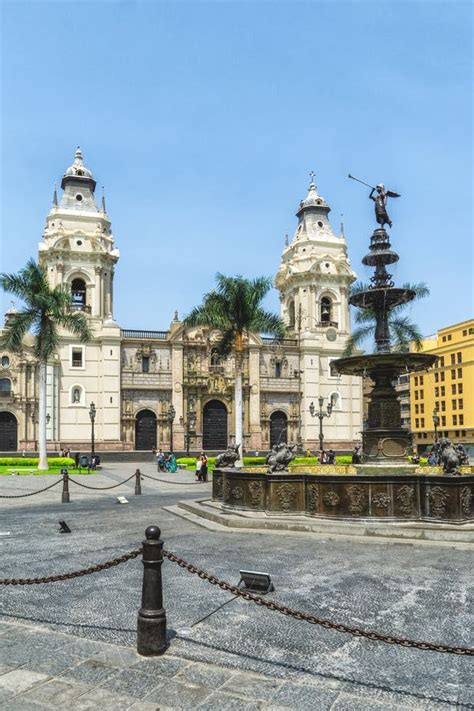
(204, 513)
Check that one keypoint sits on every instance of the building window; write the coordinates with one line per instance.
(417, 409)
(453, 358)
(416, 394)
(78, 294)
(278, 369)
(326, 310)
(459, 357)
(416, 380)
(436, 392)
(455, 419)
(461, 404)
(437, 405)
(145, 364)
(450, 337)
(444, 339)
(422, 394)
(456, 434)
(442, 376)
(459, 372)
(5, 385)
(77, 360)
(453, 375)
(441, 363)
(459, 388)
(422, 421)
(443, 405)
(5, 361)
(453, 389)
(453, 404)
(461, 419)
(443, 391)
(291, 314)
(417, 422)
(464, 333)
(443, 421)
(422, 408)
(421, 380)
(436, 377)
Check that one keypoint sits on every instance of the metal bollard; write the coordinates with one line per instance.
(65, 495)
(151, 627)
(138, 483)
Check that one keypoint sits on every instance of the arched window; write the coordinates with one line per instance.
(78, 294)
(5, 385)
(326, 310)
(291, 314)
(5, 361)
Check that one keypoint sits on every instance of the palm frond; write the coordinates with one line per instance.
(404, 333)
(269, 323)
(77, 324)
(357, 337)
(18, 326)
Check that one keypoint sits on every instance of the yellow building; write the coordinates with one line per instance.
(446, 389)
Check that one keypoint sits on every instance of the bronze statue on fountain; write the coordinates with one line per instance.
(384, 440)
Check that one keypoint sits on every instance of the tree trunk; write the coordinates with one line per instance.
(238, 409)
(43, 459)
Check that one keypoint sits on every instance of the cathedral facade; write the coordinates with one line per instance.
(170, 388)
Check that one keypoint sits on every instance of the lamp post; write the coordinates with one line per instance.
(435, 423)
(92, 414)
(321, 415)
(170, 417)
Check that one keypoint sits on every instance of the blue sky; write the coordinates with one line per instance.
(204, 119)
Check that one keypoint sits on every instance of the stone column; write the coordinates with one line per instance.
(254, 399)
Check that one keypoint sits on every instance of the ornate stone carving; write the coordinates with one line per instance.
(216, 384)
(313, 496)
(256, 491)
(237, 493)
(357, 499)
(227, 489)
(218, 486)
(466, 500)
(438, 498)
(381, 500)
(405, 496)
(279, 458)
(286, 496)
(331, 498)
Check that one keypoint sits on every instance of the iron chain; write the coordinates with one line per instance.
(100, 488)
(167, 481)
(75, 574)
(31, 493)
(312, 619)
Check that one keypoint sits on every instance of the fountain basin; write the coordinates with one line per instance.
(389, 496)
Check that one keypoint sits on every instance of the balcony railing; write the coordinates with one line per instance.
(268, 341)
(80, 307)
(326, 324)
(157, 335)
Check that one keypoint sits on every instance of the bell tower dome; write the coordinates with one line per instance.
(78, 247)
(314, 281)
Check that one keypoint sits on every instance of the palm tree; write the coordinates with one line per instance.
(45, 310)
(234, 308)
(402, 330)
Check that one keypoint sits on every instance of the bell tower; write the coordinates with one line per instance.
(314, 281)
(78, 252)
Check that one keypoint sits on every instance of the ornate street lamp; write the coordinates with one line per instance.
(321, 415)
(436, 424)
(92, 414)
(170, 417)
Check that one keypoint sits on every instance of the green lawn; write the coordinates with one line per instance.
(23, 471)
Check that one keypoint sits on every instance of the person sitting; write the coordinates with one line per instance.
(415, 459)
(432, 458)
(160, 461)
(356, 455)
(331, 457)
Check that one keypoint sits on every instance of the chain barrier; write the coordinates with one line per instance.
(75, 574)
(177, 483)
(312, 619)
(31, 493)
(100, 488)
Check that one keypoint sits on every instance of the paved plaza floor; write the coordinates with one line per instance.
(73, 642)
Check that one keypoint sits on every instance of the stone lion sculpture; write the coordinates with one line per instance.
(279, 458)
(451, 457)
(228, 458)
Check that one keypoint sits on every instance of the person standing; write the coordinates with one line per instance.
(198, 468)
(203, 467)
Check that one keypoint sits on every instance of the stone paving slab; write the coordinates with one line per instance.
(82, 632)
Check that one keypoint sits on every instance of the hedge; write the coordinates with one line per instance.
(257, 461)
(53, 462)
